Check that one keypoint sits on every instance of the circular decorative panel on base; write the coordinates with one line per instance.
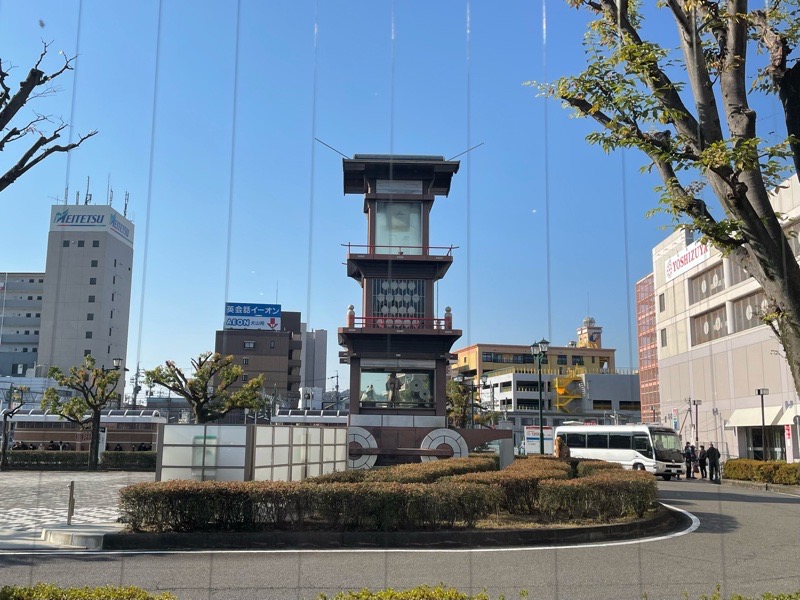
(439, 438)
(358, 437)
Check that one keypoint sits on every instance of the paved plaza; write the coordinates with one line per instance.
(32, 499)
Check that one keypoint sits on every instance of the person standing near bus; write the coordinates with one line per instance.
(687, 457)
(702, 458)
(713, 463)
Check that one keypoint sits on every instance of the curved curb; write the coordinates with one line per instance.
(667, 520)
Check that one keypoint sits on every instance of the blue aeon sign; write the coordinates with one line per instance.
(252, 316)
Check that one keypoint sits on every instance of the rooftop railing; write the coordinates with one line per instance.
(396, 322)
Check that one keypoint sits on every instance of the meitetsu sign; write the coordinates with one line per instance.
(691, 256)
(88, 217)
(252, 316)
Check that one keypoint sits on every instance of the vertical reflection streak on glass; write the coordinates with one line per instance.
(546, 177)
(232, 171)
(468, 33)
(312, 168)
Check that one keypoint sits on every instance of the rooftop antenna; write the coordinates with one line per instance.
(125, 210)
(87, 199)
(111, 196)
(109, 191)
(77, 197)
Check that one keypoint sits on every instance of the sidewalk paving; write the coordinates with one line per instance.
(35, 502)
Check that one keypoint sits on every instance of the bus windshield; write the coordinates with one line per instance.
(666, 440)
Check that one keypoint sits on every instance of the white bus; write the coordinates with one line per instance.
(652, 448)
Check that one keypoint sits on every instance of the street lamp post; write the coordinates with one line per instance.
(696, 403)
(117, 366)
(763, 392)
(539, 351)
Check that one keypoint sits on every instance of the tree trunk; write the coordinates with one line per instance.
(94, 446)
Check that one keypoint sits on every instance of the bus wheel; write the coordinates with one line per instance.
(667, 477)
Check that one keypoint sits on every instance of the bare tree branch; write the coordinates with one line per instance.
(28, 160)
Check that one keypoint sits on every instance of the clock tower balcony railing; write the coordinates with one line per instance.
(398, 251)
(401, 323)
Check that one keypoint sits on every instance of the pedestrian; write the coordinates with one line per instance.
(702, 459)
(687, 457)
(712, 454)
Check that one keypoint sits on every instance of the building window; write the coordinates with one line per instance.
(112, 296)
(34, 349)
(38, 297)
(115, 262)
(38, 315)
(30, 297)
(577, 360)
(28, 315)
(108, 349)
(272, 343)
(65, 244)
(662, 303)
(706, 284)
(91, 298)
(114, 279)
(738, 274)
(245, 377)
(80, 243)
(30, 280)
(748, 311)
(90, 317)
(562, 359)
(24, 349)
(109, 332)
(41, 281)
(246, 361)
(94, 263)
(249, 345)
(87, 352)
(96, 244)
(709, 326)
(112, 314)
(663, 338)
(88, 335)
(92, 280)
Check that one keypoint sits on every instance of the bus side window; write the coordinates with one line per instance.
(642, 445)
(575, 440)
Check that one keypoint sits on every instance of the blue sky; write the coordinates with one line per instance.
(365, 103)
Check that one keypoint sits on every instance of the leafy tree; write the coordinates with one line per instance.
(463, 410)
(631, 87)
(37, 84)
(207, 391)
(95, 391)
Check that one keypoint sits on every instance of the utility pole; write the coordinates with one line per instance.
(336, 388)
(136, 387)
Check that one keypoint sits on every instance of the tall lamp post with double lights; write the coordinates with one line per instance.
(539, 351)
(696, 403)
(117, 362)
(763, 392)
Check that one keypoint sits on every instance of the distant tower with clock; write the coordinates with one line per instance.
(398, 349)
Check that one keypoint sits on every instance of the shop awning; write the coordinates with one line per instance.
(789, 415)
(751, 417)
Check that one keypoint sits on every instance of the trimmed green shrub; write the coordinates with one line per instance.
(128, 461)
(746, 469)
(422, 592)
(48, 460)
(260, 505)
(787, 474)
(605, 495)
(519, 487)
(353, 476)
(46, 591)
(585, 467)
(428, 472)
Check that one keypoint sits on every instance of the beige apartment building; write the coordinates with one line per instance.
(714, 351)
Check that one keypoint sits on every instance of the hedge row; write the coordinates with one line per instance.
(72, 460)
(422, 472)
(519, 482)
(260, 505)
(605, 495)
(46, 591)
(768, 472)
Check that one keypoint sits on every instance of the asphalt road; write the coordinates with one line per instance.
(748, 542)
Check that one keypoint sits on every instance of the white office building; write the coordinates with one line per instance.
(87, 287)
(714, 351)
